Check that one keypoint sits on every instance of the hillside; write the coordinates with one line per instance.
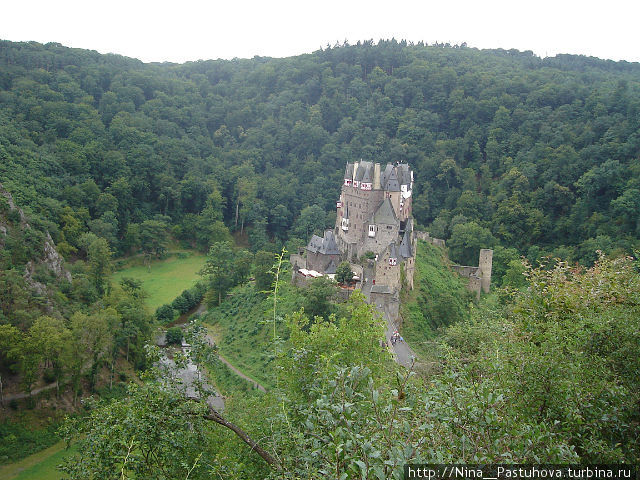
(534, 154)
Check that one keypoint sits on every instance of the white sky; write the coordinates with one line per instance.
(182, 30)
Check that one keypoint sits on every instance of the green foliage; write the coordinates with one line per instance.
(144, 435)
(262, 270)
(344, 274)
(440, 297)
(466, 241)
(225, 267)
(560, 353)
(19, 441)
(174, 336)
(318, 296)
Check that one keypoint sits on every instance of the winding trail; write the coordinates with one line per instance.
(234, 369)
(35, 391)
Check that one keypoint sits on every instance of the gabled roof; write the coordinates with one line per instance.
(329, 245)
(385, 175)
(393, 251)
(348, 173)
(404, 174)
(367, 177)
(392, 184)
(364, 168)
(331, 268)
(315, 244)
(385, 213)
(405, 245)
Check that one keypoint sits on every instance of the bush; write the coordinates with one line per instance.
(166, 314)
(174, 336)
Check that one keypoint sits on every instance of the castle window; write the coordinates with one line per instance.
(372, 230)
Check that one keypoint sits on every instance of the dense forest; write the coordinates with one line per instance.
(103, 156)
(533, 156)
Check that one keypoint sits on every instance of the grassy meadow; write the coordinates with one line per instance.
(164, 279)
(39, 466)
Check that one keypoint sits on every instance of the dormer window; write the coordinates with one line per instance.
(372, 230)
(347, 182)
(338, 204)
(356, 184)
(365, 186)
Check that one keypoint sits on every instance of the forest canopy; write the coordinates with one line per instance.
(538, 155)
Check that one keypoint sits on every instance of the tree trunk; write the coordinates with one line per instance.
(237, 206)
(219, 419)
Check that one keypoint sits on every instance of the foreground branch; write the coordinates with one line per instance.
(219, 419)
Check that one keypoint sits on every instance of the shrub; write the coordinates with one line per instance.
(165, 313)
(174, 336)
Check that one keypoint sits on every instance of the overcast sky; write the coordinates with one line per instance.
(182, 30)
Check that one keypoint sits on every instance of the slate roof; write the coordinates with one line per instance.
(385, 213)
(385, 175)
(393, 251)
(348, 173)
(392, 184)
(325, 246)
(366, 177)
(380, 289)
(405, 245)
(404, 174)
(331, 268)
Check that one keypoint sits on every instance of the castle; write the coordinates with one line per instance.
(373, 231)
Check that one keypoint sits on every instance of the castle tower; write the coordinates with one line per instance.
(485, 263)
(376, 176)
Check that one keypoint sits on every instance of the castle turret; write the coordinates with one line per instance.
(348, 175)
(367, 182)
(485, 263)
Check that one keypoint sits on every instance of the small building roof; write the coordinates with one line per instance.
(331, 268)
(381, 289)
(348, 173)
(385, 213)
(393, 251)
(325, 246)
(366, 176)
(392, 184)
(405, 245)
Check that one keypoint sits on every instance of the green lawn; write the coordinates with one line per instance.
(39, 466)
(165, 279)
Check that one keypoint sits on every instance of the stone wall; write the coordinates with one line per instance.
(438, 242)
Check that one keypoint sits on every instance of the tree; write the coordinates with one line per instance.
(466, 241)
(174, 336)
(263, 270)
(51, 338)
(218, 268)
(10, 338)
(310, 221)
(344, 275)
(153, 237)
(317, 297)
(98, 258)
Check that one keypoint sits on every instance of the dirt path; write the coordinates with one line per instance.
(234, 369)
(35, 391)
